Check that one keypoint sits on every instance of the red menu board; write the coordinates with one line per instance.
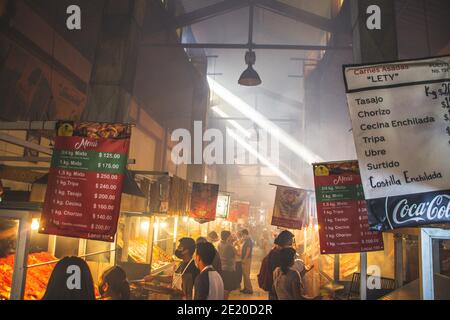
(85, 181)
(342, 211)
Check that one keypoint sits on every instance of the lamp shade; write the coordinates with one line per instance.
(250, 78)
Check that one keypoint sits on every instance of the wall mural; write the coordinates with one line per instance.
(30, 90)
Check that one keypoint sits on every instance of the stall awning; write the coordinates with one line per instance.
(19, 174)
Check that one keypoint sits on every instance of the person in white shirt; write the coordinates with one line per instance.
(209, 283)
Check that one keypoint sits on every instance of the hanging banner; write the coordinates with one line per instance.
(204, 201)
(159, 195)
(85, 180)
(223, 206)
(239, 210)
(178, 197)
(400, 114)
(290, 208)
(342, 210)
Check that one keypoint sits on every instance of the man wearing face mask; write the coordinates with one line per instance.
(185, 274)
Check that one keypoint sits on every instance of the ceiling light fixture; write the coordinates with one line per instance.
(250, 77)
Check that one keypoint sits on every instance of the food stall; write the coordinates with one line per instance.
(152, 220)
(44, 251)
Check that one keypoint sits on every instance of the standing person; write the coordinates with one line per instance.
(287, 282)
(209, 284)
(246, 256)
(70, 280)
(238, 247)
(228, 257)
(114, 284)
(270, 262)
(265, 242)
(184, 277)
(217, 264)
(213, 237)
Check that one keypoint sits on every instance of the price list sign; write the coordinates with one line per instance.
(342, 211)
(85, 181)
(400, 114)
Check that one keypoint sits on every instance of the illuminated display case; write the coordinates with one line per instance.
(26, 269)
(144, 245)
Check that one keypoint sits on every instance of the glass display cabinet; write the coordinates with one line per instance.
(27, 258)
(145, 244)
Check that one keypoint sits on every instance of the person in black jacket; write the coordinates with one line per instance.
(284, 240)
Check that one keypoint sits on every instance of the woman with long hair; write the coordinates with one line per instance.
(287, 282)
(70, 280)
(114, 284)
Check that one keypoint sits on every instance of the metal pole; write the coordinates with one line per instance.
(82, 245)
(250, 26)
(21, 257)
(426, 265)
(336, 268)
(243, 46)
(126, 239)
(398, 260)
(363, 281)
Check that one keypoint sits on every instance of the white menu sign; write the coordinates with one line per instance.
(400, 115)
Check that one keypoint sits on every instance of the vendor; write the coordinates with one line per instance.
(182, 281)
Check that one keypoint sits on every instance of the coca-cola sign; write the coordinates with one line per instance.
(409, 210)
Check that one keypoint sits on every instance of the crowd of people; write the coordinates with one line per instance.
(210, 268)
(282, 271)
(204, 272)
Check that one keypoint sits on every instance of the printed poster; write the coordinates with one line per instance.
(290, 208)
(223, 206)
(31, 90)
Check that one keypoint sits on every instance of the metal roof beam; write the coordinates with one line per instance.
(209, 12)
(245, 46)
(26, 144)
(297, 14)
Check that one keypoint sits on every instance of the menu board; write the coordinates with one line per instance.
(400, 114)
(342, 211)
(85, 180)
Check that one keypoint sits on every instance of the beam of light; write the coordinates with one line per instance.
(234, 123)
(284, 138)
(244, 131)
(261, 158)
